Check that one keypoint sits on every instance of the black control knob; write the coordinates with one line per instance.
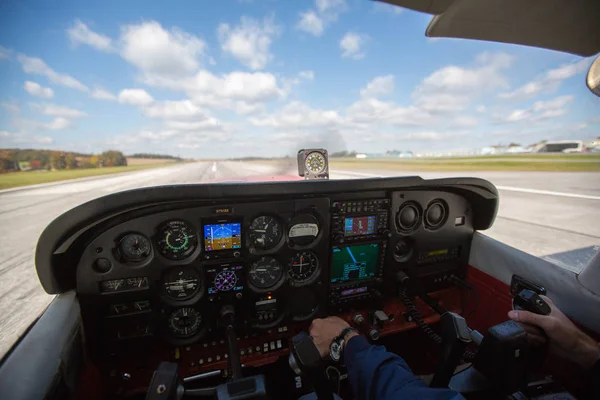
(102, 265)
(403, 249)
(374, 333)
(358, 319)
(402, 278)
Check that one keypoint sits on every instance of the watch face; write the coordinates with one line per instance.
(335, 351)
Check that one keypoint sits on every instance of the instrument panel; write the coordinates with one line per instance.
(167, 274)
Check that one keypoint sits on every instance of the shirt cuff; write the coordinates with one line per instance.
(355, 345)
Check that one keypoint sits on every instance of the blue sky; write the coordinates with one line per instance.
(265, 77)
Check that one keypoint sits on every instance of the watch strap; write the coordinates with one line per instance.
(341, 339)
(345, 332)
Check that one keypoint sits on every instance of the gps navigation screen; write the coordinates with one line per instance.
(222, 236)
(360, 226)
(356, 262)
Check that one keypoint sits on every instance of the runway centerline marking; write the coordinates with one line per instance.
(506, 188)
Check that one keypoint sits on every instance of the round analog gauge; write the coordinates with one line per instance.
(265, 272)
(134, 247)
(303, 304)
(177, 240)
(225, 280)
(185, 322)
(315, 162)
(303, 265)
(181, 283)
(265, 232)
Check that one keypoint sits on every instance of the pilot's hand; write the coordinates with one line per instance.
(323, 331)
(565, 338)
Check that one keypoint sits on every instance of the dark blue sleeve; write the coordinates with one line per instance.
(375, 373)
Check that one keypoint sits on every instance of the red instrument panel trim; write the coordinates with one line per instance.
(141, 359)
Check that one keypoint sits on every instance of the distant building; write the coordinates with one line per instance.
(563, 146)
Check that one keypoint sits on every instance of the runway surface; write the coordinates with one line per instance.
(541, 213)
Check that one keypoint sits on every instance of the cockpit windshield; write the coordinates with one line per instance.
(98, 98)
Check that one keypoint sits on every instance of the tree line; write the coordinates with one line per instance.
(33, 159)
(155, 156)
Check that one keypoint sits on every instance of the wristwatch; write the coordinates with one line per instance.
(336, 347)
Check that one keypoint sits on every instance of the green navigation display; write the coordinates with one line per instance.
(357, 262)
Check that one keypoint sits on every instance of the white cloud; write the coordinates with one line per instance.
(10, 107)
(57, 124)
(56, 110)
(310, 22)
(32, 65)
(102, 94)
(464, 121)
(209, 124)
(379, 86)
(387, 8)
(297, 115)
(249, 42)
(79, 33)
(431, 135)
(540, 110)
(156, 50)
(173, 110)
(136, 97)
(548, 82)
(35, 89)
(328, 7)
(243, 92)
(315, 21)
(258, 86)
(453, 88)
(369, 111)
(352, 45)
(22, 137)
(308, 75)
(481, 108)
(4, 53)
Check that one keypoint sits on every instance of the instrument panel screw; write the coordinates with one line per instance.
(161, 389)
(126, 376)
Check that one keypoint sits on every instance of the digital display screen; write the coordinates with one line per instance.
(223, 236)
(356, 262)
(225, 278)
(354, 291)
(436, 253)
(360, 226)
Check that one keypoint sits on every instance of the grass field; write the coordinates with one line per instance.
(145, 161)
(550, 163)
(15, 179)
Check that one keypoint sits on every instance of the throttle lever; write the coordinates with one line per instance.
(529, 300)
(305, 360)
